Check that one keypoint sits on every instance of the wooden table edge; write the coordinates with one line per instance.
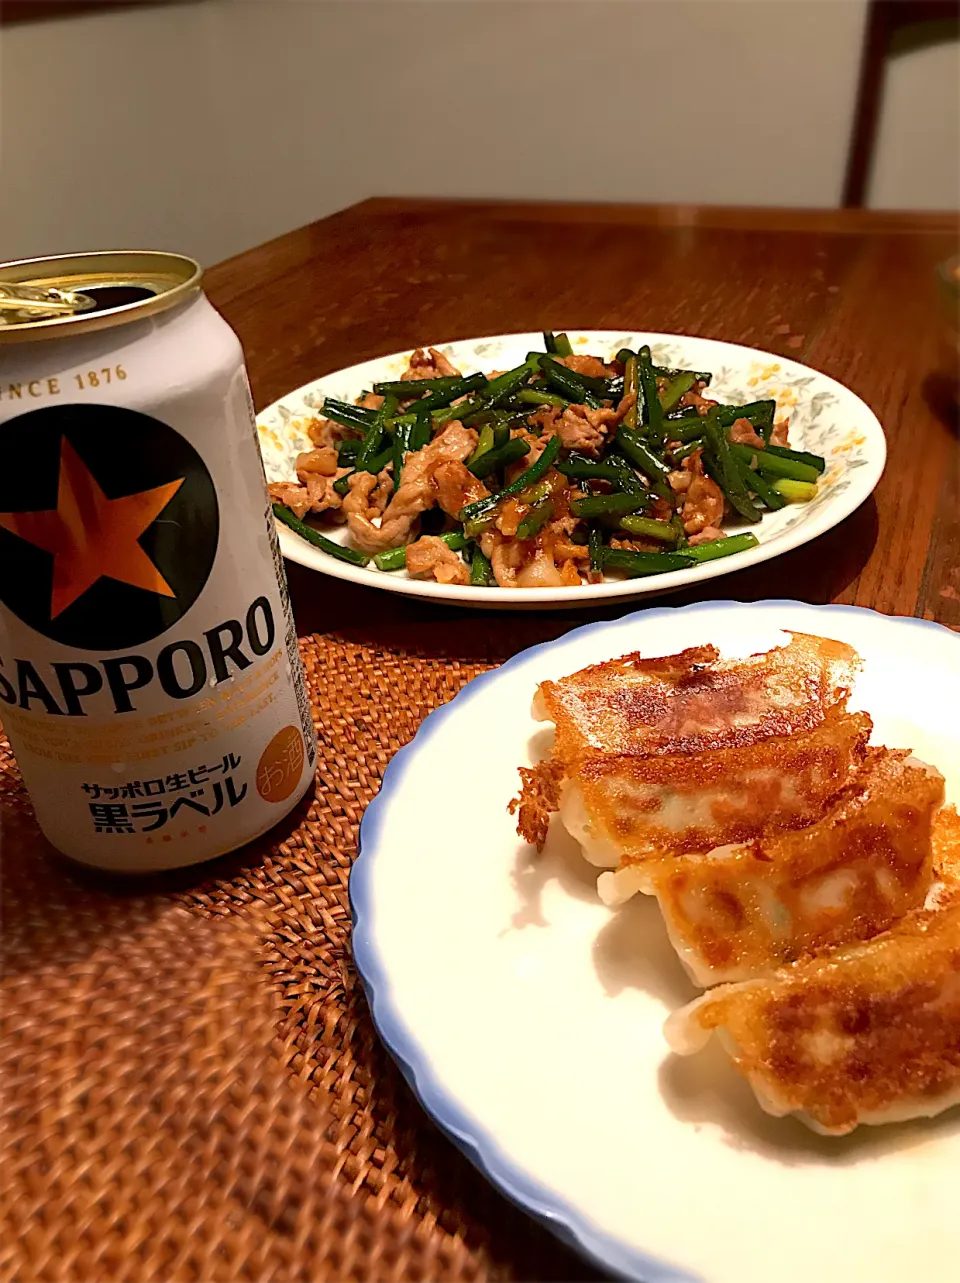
(736, 217)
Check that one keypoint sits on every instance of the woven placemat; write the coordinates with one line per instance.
(192, 1087)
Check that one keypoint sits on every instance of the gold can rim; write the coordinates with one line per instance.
(168, 278)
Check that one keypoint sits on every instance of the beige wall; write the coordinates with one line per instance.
(214, 124)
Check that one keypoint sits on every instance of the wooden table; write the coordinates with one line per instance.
(850, 292)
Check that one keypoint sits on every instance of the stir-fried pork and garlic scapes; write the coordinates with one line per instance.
(544, 476)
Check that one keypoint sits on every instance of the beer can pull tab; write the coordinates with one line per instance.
(19, 303)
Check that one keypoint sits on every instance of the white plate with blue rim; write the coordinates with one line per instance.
(826, 418)
(527, 1016)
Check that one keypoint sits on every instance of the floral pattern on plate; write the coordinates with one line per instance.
(825, 418)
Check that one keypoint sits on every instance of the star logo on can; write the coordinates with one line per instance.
(109, 524)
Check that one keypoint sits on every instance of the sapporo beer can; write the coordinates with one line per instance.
(150, 682)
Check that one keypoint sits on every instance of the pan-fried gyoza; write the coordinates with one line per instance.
(742, 909)
(864, 1034)
(812, 878)
(690, 752)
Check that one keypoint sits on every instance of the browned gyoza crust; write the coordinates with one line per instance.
(869, 1033)
(741, 911)
(695, 701)
(729, 795)
(651, 717)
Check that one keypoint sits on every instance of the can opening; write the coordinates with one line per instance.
(109, 296)
(50, 297)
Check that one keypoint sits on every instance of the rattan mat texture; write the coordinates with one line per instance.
(192, 1087)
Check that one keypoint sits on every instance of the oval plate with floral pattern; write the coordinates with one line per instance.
(825, 418)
